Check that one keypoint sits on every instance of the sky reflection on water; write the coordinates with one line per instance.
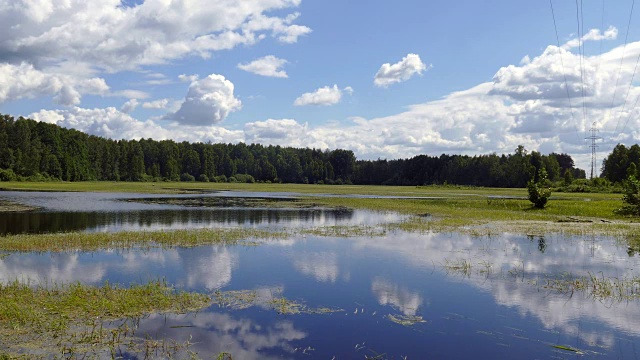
(495, 315)
(108, 212)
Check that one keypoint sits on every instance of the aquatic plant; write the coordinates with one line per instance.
(77, 241)
(235, 299)
(461, 266)
(405, 320)
(77, 320)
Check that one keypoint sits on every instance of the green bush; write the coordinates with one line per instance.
(631, 197)
(37, 177)
(203, 178)
(7, 175)
(245, 178)
(539, 192)
(220, 179)
(187, 178)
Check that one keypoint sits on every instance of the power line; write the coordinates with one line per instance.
(564, 73)
(580, 52)
(626, 37)
(626, 97)
(630, 113)
(601, 38)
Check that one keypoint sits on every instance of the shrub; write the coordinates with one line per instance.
(221, 179)
(245, 178)
(631, 197)
(37, 177)
(7, 175)
(539, 193)
(187, 177)
(203, 178)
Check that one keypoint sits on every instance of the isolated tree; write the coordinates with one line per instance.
(631, 197)
(539, 193)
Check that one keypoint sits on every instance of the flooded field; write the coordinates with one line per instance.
(394, 296)
(92, 212)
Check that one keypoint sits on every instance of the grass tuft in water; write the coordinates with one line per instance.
(345, 231)
(74, 318)
(405, 320)
(77, 241)
(284, 306)
(567, 348)
(235, 299)
(598, 288)
(460, 266)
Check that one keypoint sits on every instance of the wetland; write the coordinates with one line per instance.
(407, 273)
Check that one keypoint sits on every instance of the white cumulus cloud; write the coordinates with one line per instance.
(323, 96)
(157, 104)
(56, 48)
(208, 101)
(129, 106)
(269, 65)
(25, 81)
(188, 78)
(403, 70)
(114, 124)
(593, 35)
(525, 103)
(152, 32)
(277, 132)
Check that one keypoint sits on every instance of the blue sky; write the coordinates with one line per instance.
(470, 77)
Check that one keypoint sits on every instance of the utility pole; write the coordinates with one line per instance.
(594, 148)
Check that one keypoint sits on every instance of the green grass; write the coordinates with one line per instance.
(73, 319)
(60, 242)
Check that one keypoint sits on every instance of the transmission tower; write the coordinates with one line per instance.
(594, 148)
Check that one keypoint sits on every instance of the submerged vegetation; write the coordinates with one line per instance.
(405, 320)
(10, 206)
(600, 288)
(77, 320)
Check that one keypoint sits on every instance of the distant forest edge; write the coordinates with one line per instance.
(37, 151)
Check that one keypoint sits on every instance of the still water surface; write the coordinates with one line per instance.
(92, 212)
(503, 313)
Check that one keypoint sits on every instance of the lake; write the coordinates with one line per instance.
(419, 296)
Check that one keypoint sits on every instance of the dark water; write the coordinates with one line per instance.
(497, 310)
(92, 212)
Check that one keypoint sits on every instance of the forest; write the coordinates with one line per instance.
(38, 151)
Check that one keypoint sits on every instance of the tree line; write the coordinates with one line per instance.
(622, 163)
(40, 151)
